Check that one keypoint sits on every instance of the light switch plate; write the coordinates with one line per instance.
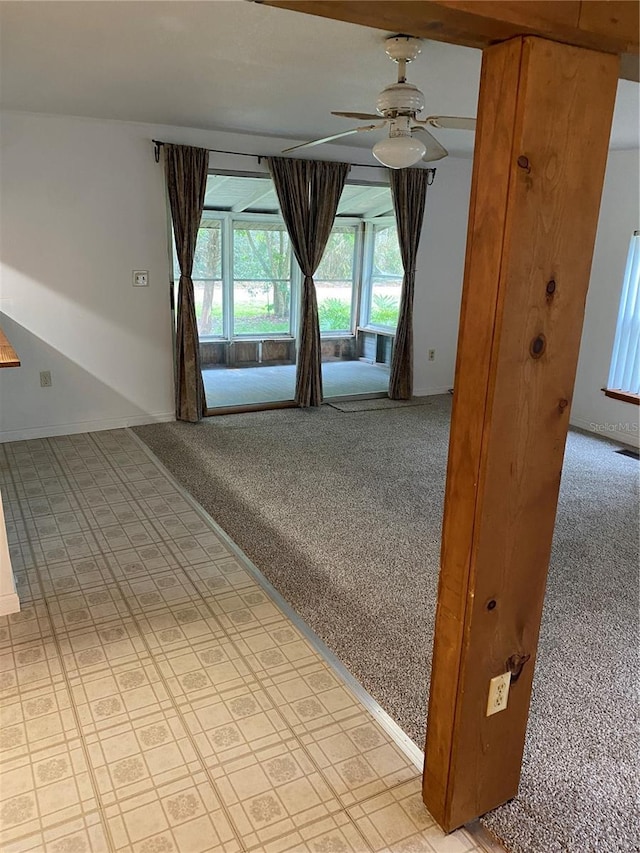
(141, 278)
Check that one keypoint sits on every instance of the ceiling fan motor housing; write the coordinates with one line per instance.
(399, 99)
(402, 47)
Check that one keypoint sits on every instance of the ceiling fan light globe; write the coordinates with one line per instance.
(399, 152)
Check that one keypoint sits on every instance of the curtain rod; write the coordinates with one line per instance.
(260, 157)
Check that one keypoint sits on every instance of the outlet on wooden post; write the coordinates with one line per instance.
(544, 119)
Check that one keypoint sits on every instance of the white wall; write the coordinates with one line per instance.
(82, 205)
(619, 218)
(439, 272)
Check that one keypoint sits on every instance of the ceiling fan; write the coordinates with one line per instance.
(397, 107)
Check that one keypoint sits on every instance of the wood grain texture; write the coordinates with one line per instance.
(624, 396)
(487, 214)
(8, 356)
(545, 113)
(610, 26)
(619, 21)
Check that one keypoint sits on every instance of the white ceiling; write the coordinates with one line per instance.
(228, 65)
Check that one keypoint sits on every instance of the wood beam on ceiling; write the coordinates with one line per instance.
(544, 119)
(611, 26)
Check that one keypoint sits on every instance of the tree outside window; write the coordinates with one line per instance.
(261, 278)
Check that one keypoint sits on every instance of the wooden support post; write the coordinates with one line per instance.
(541, 145)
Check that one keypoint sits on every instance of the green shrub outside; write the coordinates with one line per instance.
(334, 315)
(384, 310)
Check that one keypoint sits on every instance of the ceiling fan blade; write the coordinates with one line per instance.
(451, 122)
(435, 151)
(331, 138)
(361, 116)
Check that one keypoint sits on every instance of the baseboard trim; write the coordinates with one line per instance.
(85, 426)
(9, 603)
(619, 436)
(432, 392)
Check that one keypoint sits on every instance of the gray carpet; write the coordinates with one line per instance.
(374, 404)
(342, 512)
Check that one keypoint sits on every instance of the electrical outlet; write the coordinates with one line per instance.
(45, 379)
(141, 278)
(498, 693)
(432, 355)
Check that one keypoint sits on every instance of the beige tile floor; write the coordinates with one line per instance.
(154, 695)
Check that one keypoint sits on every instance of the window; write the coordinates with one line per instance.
(247, 281)
(261, 279)
(207, 278)
(242, 277)
(624, 374)
(335, 280)
(381, 297)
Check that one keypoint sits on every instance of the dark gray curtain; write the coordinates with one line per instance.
(409, 190)
(308, 192)
(186, 171)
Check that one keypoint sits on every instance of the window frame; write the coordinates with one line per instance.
(628, 321)
(356, 280)
(227, 219)
(294, 275)
(221, 279)
(367, 273)
(362, 269)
